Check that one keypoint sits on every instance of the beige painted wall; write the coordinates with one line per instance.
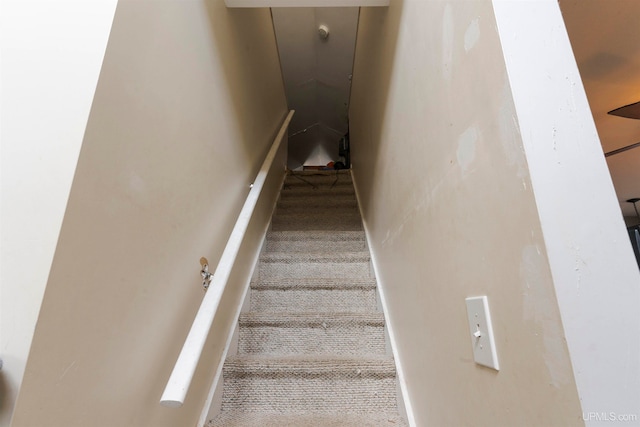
(51, 58)
(188, 101)
(445, 191)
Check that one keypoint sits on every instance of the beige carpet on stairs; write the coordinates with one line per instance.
(311, 349)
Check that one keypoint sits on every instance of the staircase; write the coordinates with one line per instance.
(311, 350)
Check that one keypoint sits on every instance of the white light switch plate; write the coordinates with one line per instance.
(484, 345)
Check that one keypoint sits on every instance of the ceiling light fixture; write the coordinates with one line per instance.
(323, 32)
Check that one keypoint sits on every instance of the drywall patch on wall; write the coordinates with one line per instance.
(472, 35)
(510, 135)
(431, 120)
(138, 191)
(540, 314)
(555, 355)
(466, 152)
(137, 184)
(448, 38)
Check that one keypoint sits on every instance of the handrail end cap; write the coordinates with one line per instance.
(168, 403)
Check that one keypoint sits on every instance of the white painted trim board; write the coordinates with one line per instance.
(594, 271)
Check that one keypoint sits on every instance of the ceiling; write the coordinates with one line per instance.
(605, 37)
(317, 78)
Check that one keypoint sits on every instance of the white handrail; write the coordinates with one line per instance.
(182, 375)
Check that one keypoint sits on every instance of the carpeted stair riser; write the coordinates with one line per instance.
(321, 333)
(327, 183)
(313, 202)
(343, 192)
(314, 295)
(329, 207)
(317, 191)
(262, 419)
(329, 179)
(294, 183)
(315, 241)
(297, 187)
(321, 265)
(340, 187)
(361, 385)
(299, 301)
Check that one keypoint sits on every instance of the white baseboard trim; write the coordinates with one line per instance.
(392, 338)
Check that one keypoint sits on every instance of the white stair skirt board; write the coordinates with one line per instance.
(306, 3)
(311, 349)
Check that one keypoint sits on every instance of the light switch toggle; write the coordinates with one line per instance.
(481, 331)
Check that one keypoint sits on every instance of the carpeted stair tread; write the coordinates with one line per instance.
(317, 221)
(337, 208)
(314, 201)
(321, 213)
(316, 257)
(312, 333)
(317, 191)
(314, 264)
(319, 178)
(335, 212)
(315, 182)
(297, 300)
(315, 241)
(315, 283)
(293, 235)
(308, 366)
(262, 419)
(301, 300)
(287, 320)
